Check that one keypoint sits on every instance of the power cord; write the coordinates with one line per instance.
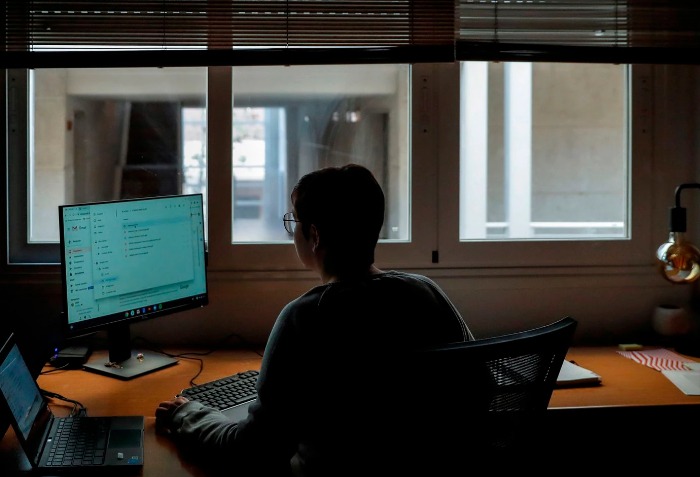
(193, 355)
(78, 408)
(54, 370)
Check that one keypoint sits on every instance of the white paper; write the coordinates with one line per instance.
(686, 381)
(571, 374)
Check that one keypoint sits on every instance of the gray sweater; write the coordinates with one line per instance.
(329, 402)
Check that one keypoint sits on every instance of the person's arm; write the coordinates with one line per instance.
(263, 439)
(194, 424)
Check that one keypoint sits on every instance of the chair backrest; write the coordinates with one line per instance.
(441, 411)
(523, 366)
(492, 391)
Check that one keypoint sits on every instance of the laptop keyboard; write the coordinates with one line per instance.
(225, 392)
(79, 441)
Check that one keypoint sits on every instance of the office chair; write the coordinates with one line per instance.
(444, 410)
(491, 397)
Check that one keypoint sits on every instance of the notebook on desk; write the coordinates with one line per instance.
(573, 375)
(113, 442)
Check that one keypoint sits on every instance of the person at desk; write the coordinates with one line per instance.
(324, 389)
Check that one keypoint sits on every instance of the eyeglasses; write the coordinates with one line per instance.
(290, 222)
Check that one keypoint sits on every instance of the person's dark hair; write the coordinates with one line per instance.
(346, 204)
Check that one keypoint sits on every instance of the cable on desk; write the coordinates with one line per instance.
(59, 368)
(201, 363)
(193, 354)
(78, 408)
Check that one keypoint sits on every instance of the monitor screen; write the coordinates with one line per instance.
(127, 261)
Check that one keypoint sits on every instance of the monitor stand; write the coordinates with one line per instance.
(122, 362)
(142, 362)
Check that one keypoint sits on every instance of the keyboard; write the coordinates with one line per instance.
(79, 440)
(226, 392)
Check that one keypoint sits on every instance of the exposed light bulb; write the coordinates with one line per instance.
(679, 260)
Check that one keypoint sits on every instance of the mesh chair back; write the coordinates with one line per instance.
(446, 410)
(492, 392)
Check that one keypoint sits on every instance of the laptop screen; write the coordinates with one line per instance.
(21, 393)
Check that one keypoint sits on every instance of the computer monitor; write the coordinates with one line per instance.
(126, 261)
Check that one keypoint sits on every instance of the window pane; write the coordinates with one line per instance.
(288, 121)
(544, 152)
(102, 134)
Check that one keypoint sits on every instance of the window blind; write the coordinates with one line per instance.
(614, 31)
(210, 32)
(45, 33)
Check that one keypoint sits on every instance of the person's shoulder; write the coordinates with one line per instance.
(304, 303)
(393, 274)
(310, 296)
(407, 277)
(406, 282)
(300, 312)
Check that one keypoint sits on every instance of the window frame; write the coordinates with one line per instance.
(223, 255)
(433, 210)
(632, 251)
(19, 250)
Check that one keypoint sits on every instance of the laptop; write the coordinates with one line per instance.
(38, 429)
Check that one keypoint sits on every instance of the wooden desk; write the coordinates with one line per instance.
(631, 397)
(625, 383)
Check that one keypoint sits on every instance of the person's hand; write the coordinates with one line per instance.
(166, 409)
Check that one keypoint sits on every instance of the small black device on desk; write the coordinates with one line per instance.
(72, 357)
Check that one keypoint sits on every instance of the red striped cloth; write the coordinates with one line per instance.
(658, 359)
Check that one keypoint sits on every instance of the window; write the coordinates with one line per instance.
(93, 135)
(110, 133)
(544, 151)
(98, 134)
(543, 159)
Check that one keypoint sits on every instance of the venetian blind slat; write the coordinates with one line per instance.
(73, 26)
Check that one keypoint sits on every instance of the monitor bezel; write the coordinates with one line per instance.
(115, 320)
